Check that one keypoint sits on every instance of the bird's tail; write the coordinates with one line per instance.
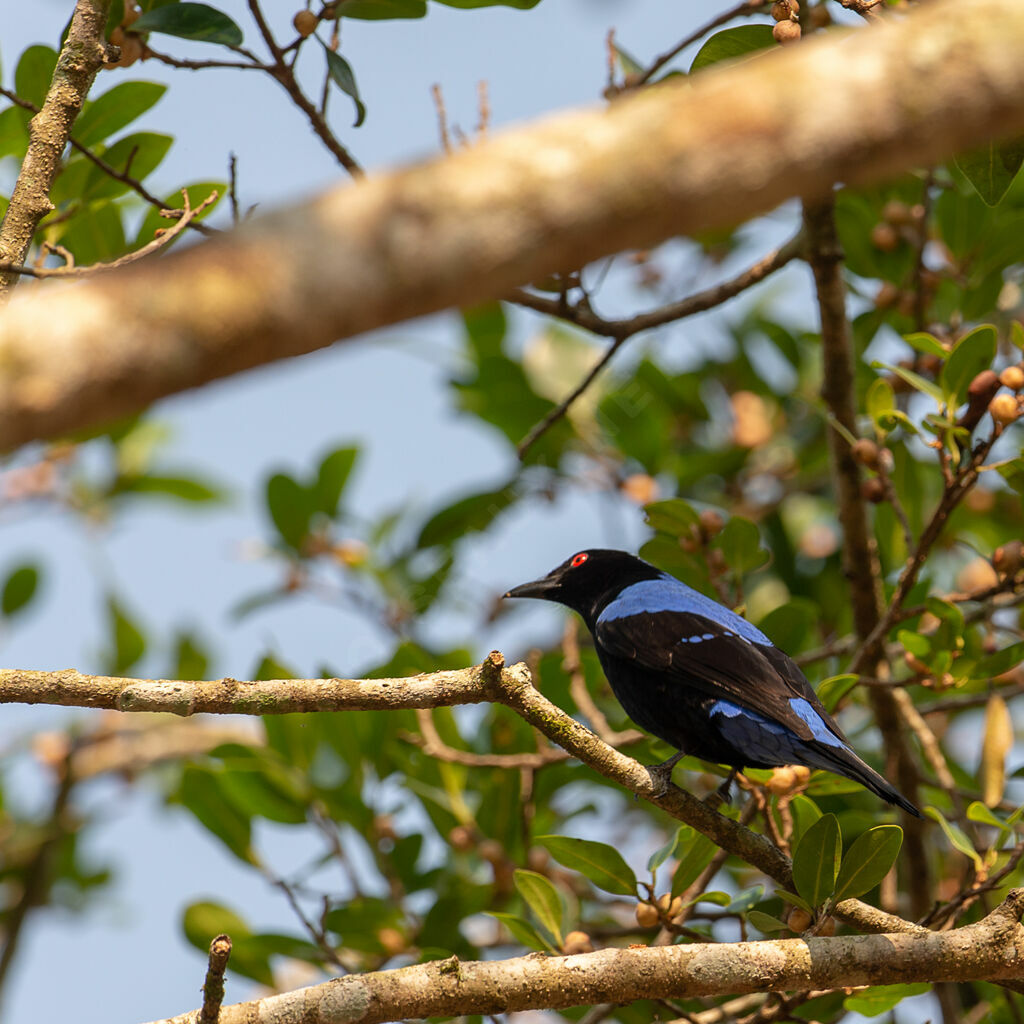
(844, 761)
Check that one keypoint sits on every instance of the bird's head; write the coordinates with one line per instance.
(587, 580)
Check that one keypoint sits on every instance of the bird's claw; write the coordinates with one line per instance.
(661, 774)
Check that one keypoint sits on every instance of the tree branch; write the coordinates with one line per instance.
(467, 227)
(80, 58)
(992, 949)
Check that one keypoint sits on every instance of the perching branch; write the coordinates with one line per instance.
(992, 949)
(491, 681)
(81, 56)
(715, 149)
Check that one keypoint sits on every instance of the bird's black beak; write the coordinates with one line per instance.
(543, 588)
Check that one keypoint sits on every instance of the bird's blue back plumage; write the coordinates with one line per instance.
(668, 594)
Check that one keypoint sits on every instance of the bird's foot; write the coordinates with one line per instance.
(661, 774)
(723, 794)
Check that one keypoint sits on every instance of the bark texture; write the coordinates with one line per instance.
(675, 159)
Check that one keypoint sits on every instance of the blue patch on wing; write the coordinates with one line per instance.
(670, 595)
(819, 730)
(768, 742)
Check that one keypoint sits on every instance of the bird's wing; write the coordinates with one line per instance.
(714, 659)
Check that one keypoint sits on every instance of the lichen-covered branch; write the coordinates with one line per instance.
(713, 149)
(991, 949)
(80, 58)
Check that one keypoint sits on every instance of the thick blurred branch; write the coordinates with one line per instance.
(550, 197)
(80, 58)
(991, 949)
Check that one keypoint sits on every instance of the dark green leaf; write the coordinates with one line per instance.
(291, 508)
(258, 785)
(190, 660)
(601, 863)
(796, 901)
(332, 476)
(116, 108)
(805, 813)
(671, 848)
(696, 857)
(522, 931)
(128, 642)
(13, 134)
(973, 353)
(915, 380)
(765, 923)
(468, 515)
(19, 588)
(34, 73)
(816, 860)
(344, 78)
(991, 168)
(200, 792)
(740, 544)
(675, 517)
(542, 898)
(466, 5)
(731, 43)
(868, 860)
(191, 21)
(205, 920)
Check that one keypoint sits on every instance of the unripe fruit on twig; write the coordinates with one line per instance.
(392, 940)
(305, 23)
(887, 296)
(865, 451)
(1004, 409)
(640, 488)
(1013, 378)
(1008, 558)
(980, 392)
(827, 927)
(798, 920)
(872, 490)
(885, 237)
(786, 32)
(782, 781)
(461, 838)
(669, 905)
(577, 942)
(898, 213)
(711, 523)
(646, 915)
(784, 10)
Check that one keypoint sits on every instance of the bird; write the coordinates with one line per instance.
(697, 675)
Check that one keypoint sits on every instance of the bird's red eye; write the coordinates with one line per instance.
(579, 559)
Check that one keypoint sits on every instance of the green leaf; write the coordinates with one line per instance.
(601, 863)
(880, 401)
(796, 901)
(468, 515)
(699, 852)
(138, 154)
(731, 43)
(19, 588)
(740, 544)
(128, 645)
(805, 813)
(199, 22)
(291, 508)
(332, 476)
(115, 109)
(183, 488)
(978, 812)
(973, 353)
(915, 380)
(190, 660)
(204, 920)
(259, 785)
(670, 849)
(522, 931)
(765, 923)
(816, 860)
(13, 134)
(467, 5)
(542, 898)
(743, 901)
(344, 78)
(879, 999)
(998, 662)
(382, 10)
(927, 343)
(200, 792)
(991, 168)
(868, 860)
(34, 73)
(675, 517)
(956, 836)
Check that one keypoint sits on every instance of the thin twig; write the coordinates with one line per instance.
(164, 238)
(213, 986)
(622, 330)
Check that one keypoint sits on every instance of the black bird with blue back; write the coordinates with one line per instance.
(697, 675)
